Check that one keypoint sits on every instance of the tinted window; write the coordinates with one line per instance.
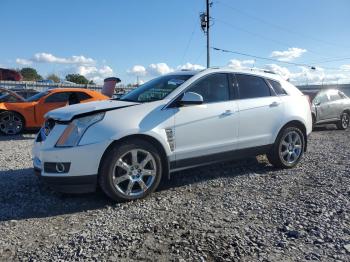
(82, 96)
(213, 88)
(58, 97)
(252, 86)
(277, 87)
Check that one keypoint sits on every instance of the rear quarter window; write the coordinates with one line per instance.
(82, 96)
(277, 87)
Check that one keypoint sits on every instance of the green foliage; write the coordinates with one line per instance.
(76, 78)
(30, 74)
(54, 78)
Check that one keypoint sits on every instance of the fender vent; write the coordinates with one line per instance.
(170, 137)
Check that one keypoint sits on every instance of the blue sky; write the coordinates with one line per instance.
(147, 38)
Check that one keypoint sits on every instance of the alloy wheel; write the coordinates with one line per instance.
(345, 120)
(291, 147)
(134, 172)
(10, 123)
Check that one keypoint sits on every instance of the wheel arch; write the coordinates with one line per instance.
(13, 111)
(148, 138)
(298, 124)
(347, 110)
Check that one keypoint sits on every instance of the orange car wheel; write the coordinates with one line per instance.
(11, 123)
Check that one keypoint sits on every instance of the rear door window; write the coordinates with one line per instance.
(250, 86)
(58, 97)
(334, 96)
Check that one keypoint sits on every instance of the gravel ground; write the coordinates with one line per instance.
(234, 211)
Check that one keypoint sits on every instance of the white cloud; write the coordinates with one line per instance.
(159, 69)
(240, 64)
(345, 67)
(94, 73)
(189, 66)
(22, 61)
(288, 55)
(50, 58)
(282, 71)
(151, 70)
(138, 70)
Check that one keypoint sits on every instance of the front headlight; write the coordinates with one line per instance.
(76, 129)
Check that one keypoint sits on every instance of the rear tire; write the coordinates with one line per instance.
(344, 121)
(11, 123)
(288, 148)
(131, 170)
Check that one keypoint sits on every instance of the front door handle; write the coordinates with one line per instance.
(274, 104)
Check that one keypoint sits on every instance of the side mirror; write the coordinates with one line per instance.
(317, 103)
(191, 98)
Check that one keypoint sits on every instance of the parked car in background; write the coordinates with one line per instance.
(24, 92)
(9, 96)
(29, 113)
(177, 121)
(330, 107)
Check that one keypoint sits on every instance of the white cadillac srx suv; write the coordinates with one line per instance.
(180, 120)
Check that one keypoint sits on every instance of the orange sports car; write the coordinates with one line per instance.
(18, 113)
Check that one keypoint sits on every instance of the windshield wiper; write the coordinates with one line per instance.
(124, 99)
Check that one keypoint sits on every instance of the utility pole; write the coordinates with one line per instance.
(208, 45)
(205, 25)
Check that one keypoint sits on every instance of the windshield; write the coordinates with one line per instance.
(156, 89)
(37, 96)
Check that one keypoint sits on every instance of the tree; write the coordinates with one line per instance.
(76, 78)
(54, 78)
(30, 74)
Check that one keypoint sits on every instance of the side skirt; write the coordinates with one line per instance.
(219, 157)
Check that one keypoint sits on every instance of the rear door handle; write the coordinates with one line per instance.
(227, 113)
(274, 104)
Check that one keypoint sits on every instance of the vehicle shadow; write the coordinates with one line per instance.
(327, 127)
(27, 135)
(23, 196)
(234, 168)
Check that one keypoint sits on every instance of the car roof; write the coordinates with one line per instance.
(254, 71)
(68, 89)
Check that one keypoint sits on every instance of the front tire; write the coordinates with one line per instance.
(344, 122)
(131, 170)
(11, 123)
(288, 148)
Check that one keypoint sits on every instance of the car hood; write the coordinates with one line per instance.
(69, 112)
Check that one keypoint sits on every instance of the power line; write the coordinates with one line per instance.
(333, 60)
(281, 28)
(273, 60)
(188, 44)
(261, 58)
(252, 33)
